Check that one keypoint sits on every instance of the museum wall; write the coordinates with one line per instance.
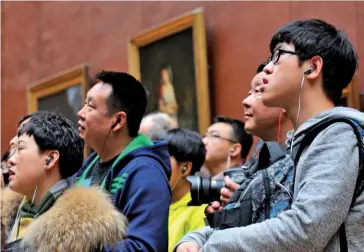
(42, 38)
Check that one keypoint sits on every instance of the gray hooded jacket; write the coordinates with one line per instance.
(325, 180)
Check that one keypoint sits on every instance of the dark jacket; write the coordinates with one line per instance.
(139, 184)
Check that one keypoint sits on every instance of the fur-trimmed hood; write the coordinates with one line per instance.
(82, 219)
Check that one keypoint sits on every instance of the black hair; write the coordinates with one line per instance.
(27, 116)
(261, 67)
(238, 134)
(186, 146)
(5, 157)
(313, 37)
(128, 95)
(52, 131)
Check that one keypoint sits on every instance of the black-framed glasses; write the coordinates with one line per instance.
(277, 54)
(215, 136)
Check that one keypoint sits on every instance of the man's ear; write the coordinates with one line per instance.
(315, 64)
(235, 150)
(119, 120)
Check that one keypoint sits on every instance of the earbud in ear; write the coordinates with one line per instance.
(310, 70)
(184, 170)
(116, 123)
(49, 159)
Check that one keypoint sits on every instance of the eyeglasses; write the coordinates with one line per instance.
(277, 54)
(215, 136)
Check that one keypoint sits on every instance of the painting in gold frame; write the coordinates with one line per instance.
(171, 62)
(62, 92)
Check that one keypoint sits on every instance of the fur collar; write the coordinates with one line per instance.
(10, 202)
(82, 219)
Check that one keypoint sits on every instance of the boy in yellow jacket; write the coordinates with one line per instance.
(187, 154)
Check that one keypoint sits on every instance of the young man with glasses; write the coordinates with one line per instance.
(227, 145)
(307, 82)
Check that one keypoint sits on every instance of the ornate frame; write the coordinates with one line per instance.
(58, 82)
(194, 20)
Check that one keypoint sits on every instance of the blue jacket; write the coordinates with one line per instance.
(140, 187)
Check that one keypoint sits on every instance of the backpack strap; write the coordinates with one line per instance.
(359, 186)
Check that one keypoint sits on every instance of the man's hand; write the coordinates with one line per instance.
(188, 247)
(227, 191)
(213, 207)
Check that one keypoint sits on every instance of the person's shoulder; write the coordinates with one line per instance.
(156, 155)
(340, 130)
(142, 168)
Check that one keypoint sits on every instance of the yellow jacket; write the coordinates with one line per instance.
(183, 219)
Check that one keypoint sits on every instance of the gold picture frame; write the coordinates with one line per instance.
(194, 23)
(50, 93)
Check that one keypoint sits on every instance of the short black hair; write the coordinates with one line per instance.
(313, 37)
(238, 134)
(27, 116)
(261, 67)
(128, 95)
(186, 146)
(52, 131)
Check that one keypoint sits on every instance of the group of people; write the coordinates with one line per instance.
(310, 196)
(302, 186)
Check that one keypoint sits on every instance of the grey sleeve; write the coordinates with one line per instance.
(199, 236)
(325, 181)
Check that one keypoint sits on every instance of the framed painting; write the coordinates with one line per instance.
(63, 92)
(350, 95)
(171, 62)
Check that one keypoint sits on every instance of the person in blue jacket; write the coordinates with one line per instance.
(128, 165)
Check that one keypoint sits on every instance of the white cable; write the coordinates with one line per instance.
(298, 110)
(36, 186)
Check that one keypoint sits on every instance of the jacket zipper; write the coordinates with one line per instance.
(267, 191)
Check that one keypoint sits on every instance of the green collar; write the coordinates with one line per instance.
(139, 141)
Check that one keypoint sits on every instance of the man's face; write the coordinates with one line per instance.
(282, 84)
(259, 118)
(218, 142)
(94, 122)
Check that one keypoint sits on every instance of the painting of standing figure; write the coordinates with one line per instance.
(170, 61)
(167, 97)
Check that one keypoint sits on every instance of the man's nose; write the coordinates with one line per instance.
(268, 69)
(204, 140)
(247, 101)
(81, 113)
